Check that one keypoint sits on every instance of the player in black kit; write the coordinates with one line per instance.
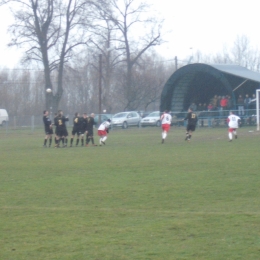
(90, 134)
(192, 119)
(84, 125)
(77, 128)
(61, 129)
(48, 128)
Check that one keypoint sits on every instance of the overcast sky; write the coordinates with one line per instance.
(205, 25)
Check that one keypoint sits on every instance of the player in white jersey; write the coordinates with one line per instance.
(166, 120)
(233, 123)
(103, 131)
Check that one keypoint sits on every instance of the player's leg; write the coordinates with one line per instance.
(50, 140)
(65, 140)
(164, 135)
(235, 133)
(191, 130)
(103, 140)
(187, 133)
(82, 139)
(45, 140)
(230, 134)
(77, 142)
(71, 139)
(87, 139)
(92, 139)
(165, 128)
(58, 139)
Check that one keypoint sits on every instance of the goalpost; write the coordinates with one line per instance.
(257, 108)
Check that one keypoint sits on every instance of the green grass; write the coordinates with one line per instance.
(131, 199)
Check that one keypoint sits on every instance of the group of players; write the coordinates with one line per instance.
(82, 127)
(233, 122)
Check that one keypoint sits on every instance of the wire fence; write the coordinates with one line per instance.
(205, 119)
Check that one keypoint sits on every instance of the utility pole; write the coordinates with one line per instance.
(100, 87)
(176, 62)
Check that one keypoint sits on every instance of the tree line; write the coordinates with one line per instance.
(91, 53)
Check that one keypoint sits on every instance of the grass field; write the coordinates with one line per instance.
(133, 198)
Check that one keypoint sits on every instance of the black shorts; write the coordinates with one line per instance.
(48, 131)
(61, 132)
(191, 128)
(76, 131)
(90, 132)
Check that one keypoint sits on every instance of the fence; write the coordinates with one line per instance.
(205, 119)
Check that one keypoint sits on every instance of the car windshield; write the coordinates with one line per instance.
(154, 114)
(120, 115)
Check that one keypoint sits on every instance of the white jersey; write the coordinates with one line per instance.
(105, 125)
(233, 121)
(166, 119)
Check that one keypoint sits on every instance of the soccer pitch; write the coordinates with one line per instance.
(133, 198)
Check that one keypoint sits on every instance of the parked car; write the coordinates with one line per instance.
(125, 119)
(153, 119)
(144, 113)
(3, 117)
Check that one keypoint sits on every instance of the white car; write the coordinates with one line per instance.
(153, 119)
(125, 119)
(3, 117)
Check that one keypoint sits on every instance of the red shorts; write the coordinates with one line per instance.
(230, 130)
(102, 133)
(166, 127)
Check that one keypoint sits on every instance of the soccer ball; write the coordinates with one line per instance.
(48, 90)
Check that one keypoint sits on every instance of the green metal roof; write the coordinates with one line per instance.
(199, 82)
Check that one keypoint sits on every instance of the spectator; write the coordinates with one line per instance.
(247, 101)
(200, 107)
(214, 101)
(229, 103)
(205, 107)
(240, 105)
(218, 103)
(223, 103)
(193, 106)
(210, 107)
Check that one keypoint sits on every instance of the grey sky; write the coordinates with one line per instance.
(205, 25)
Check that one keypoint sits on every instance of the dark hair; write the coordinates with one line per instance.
(44, 111)
(108, 120)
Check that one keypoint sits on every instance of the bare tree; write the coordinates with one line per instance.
(130, 17)
(51, 31)
(241, 53)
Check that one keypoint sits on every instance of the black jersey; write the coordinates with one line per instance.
(84, 124)
(61, 129)
(60, 121)
(192, 118)
(91, 123)
(47, 122)
(77, 122)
